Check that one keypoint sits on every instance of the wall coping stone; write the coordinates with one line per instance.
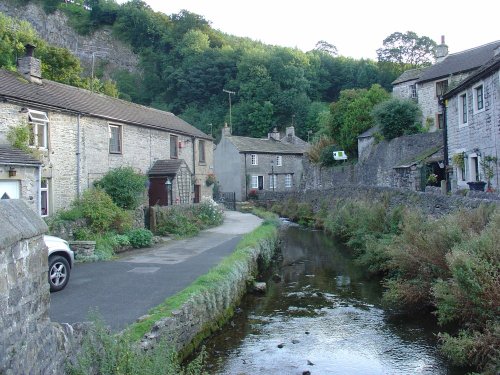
(18, 222)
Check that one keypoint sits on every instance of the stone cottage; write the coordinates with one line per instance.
(247, 165)
(428, 85)
(473, 126)
(79, 136)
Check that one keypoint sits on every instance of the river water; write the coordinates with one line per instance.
(324, 317)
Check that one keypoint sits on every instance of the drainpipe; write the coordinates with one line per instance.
(194, 165)
(442, 102)
(246, 180)
(78, 156)
(39, 194)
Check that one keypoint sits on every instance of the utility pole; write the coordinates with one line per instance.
(229, 94)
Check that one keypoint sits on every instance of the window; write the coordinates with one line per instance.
(255, 160)
(279, 161)
(115, 139)
(174, 144)
(413, 91)
(440, 120)
(273, 181)
(255, 182)
(38, 122)
(478, 98)
(201, 151)
(288, 180)
(44, 192)
(441, 87)
(462, 109)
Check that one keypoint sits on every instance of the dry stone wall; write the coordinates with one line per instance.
(29, 342)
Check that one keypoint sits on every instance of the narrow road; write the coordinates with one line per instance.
(125, 289)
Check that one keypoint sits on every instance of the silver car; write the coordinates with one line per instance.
(61, 259)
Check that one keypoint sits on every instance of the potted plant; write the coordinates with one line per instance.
(488, 163)
(210, 179)
(458, 160)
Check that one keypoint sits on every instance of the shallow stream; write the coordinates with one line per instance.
(324, 317)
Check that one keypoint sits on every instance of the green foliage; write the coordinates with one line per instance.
(407, 50)
(397, 117)
(19, 136)
(109, 354)
(140, 238)
(125, 186)
(101, 213)
(351, 115)
(315, 152)
(187, 221)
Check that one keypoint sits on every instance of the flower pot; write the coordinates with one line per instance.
(476, 185)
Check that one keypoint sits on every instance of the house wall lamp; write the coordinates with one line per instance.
(12, 172)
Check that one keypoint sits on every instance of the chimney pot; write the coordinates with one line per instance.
(442, 39)
(30, 49)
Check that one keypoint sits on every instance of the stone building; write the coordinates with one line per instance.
(473, 125)
(79, 136)
(246, 165)
(428, 85)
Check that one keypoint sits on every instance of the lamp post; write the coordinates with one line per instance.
(168, 183)
(229, 93)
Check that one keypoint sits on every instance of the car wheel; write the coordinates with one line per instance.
(58, 273)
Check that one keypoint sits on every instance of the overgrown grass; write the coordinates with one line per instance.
(448, 266)
(265, 232)
(104, 353)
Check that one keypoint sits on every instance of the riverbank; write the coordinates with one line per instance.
(184, 319)
(447, 266)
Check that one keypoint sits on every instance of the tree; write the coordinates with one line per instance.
(397, 117)
(326, 47)
(351, 115)
(407, 50)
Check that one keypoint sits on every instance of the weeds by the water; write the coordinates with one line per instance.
(448, 266)
(104, 353)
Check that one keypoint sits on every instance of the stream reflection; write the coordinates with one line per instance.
(322, 317)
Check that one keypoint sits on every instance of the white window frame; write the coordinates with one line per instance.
(273, 181)
(201, 152)
(38, 120)
(413, 91)
(475, 96)
(254, 184)
(279, 160)
(44, 189)
(288, 180)
(120, 138)
(254, 159)
(463, 99)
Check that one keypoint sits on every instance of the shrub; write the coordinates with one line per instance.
(124, 186)
(100, 211)
(140, 237)
(397, 117)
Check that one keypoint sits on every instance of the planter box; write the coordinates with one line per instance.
(476, 185)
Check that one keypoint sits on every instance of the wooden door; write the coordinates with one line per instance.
(197, 193)
(158, 191)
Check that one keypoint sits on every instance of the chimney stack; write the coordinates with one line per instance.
(29, 66)
(275, 134)
(441, 50)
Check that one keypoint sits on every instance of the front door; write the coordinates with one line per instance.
(158, 191)
(261, 182)
(197, 190)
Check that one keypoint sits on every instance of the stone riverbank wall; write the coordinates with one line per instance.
(29, 342)
(205, 312)
(430, 203)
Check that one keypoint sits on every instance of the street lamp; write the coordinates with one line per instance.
(168, 183)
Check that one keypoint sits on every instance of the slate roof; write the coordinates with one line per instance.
(265, 146)
(165, 167)
(409, 75)
(460, 62)
(58, 96)
(13, 156)
(487, 69)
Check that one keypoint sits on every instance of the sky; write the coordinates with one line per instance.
(356, 27)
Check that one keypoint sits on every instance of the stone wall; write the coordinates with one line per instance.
(54, 28)
(378, 166)
(200, 315)
(29, 342)
(429, 203)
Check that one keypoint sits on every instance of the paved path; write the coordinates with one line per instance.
(125, 289)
